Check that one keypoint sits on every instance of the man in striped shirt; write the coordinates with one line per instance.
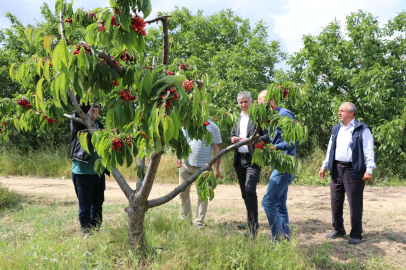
(199, 156)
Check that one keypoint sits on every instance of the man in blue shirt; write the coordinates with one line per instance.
(274, 201)
(200, 155)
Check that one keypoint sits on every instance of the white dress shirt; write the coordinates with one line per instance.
(344, 143)
(243, 132)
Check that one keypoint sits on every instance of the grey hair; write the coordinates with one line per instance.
(351, 107)
(244, 94)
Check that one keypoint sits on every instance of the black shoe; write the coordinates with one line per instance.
(334, 235)
(242, 226)
(354, 241)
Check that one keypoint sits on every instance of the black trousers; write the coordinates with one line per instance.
(89, 189)
(248, 177)
(341, 183)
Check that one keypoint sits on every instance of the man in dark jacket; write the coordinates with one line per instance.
(248, 173)
(351, 160)
(89, 187)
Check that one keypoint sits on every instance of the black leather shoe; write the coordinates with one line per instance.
(242, 226)
(334, 235)
(354, 241)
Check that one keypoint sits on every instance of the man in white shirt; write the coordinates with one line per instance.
(248, 174)
(350, 159)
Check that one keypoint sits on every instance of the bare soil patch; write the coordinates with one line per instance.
(309, 209)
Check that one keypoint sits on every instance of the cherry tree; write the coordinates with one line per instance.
(147, 104)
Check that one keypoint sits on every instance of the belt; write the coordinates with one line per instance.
(243, 154)
(344, 163)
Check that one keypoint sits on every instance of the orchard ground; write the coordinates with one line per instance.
(309, 209)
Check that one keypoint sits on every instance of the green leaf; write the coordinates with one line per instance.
(176, 124)
(82, 61)
(83, 141)
(128, 155)
(168, 129)
(39, 95)
(147, 82)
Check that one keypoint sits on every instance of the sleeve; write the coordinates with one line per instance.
(215, 132)
(233, 132)
(284, 145)
(368, 147)
(324, 164)
(264, 136)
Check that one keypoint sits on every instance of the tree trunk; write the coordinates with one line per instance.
(135, 226)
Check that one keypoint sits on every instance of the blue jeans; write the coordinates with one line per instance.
(274, 203)
(89, 190)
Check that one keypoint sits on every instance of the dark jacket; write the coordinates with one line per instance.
(264, 137)
(76, 151)
(358, 162)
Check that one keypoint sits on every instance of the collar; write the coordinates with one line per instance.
(349, 125)
(242, 116)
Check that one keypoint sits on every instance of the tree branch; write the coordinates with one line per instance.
(128, 192)
(76, 119)
(142, 195)
(87, 121)
(107, 57)
(92, 108)
(161, 18)
(207, 167)
(61, 24)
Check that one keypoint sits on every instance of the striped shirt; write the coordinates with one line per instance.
(201, 154)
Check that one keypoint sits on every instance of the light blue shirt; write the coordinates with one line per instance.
(201, 154)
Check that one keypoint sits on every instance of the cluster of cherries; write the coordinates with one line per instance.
(126, 56)
(117, 144)
(188, 85)
(49, 120)
(102, 28)
(260, 145)
(24, 103)
(169, 73)
(85, 46)
(207, 123)
(138, 25)
(182, 66)
(125, 95)
(50, 62)
(68, 20)
(113, 21)
(285, 92)
(93, 15)
(115, 83)
(143, 135)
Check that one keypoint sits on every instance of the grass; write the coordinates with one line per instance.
(8, 199)
(44, 234)
(55, 162)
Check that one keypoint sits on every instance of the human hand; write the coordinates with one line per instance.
(178, 163)
(367, 176)
(273, 147)
(217, 173)
(235, 139)
(322, 173)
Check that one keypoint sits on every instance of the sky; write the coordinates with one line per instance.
(288, 20)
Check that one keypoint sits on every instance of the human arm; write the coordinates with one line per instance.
(324, 165)
(283, 145)
(216, 150)
(178, 163)
(369, 154)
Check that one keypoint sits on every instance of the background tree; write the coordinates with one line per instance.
(224, 46)
(16, 48)
(365, 64)
(146, 106)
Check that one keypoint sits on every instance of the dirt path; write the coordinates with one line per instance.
(309, 210)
